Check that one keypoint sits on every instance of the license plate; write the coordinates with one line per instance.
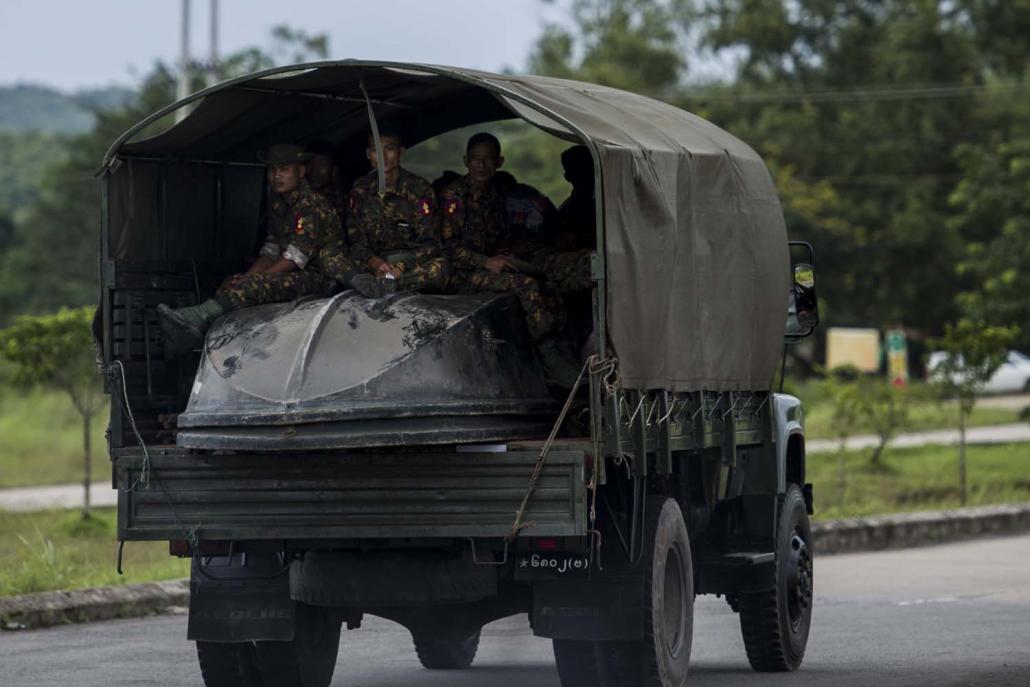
(536, 566)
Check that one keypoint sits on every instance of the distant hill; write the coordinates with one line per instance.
(29, 107)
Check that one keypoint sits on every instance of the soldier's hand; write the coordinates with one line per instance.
(393, 270)
(497, 264)
(377, 264)
(232, 280)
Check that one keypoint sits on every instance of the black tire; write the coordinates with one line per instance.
(775, 623)
(308, 660)
(222, 664)
(662, 657)
(580, 663)
(446, 654)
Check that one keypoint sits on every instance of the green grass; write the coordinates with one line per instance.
(925, 413)
(42, 440)
(913, 479)
(922, 417)
(59, 550)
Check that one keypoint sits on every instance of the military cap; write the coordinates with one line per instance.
(284, 153)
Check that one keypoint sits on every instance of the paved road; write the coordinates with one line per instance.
(991, 434)
(57, 496)
(942, 616)
(1009, 401)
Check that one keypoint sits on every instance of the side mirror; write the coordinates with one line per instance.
(802, 305)
(805, 303)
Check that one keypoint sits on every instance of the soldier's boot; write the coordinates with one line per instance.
(407, 281)
(558, 368)
(370, 286)
(185, 327)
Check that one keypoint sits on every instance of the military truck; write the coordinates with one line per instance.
(327, 459)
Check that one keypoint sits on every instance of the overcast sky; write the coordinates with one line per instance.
(73, 44)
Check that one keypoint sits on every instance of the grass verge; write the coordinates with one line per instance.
(923, 416)
(51, 550)
(42, 440)
(913, 479)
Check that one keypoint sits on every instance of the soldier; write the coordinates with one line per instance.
(576, 218)
(532, 219)
(301, 224)
(476, 233)
(394, 233)
(324, 176)
(568, 267)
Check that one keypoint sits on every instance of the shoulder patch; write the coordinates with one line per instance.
(425, 206)
(299, 223)
(452, 205)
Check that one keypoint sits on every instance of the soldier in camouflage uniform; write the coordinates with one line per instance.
(477, 237)
(394, 234)
(301, 224)
(324, 176)
(568, 270)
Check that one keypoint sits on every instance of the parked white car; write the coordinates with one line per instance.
(1012, 377)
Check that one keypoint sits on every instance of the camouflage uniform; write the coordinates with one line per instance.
(568, 272)
(475, 227)
(401, 222)
(301, 225)
(576, 220)
(338, 200)
(532, 219)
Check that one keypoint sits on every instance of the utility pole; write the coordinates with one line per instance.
(184, 59)
(212, 68)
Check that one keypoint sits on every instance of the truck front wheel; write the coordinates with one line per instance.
(775, 623)
(446, 654)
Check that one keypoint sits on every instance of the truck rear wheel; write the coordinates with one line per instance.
(775, 623)
(580, 663)
(662, 657)
(308, 660)
(446, 654)
(224, 664)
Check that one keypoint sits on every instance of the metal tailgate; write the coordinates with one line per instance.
(326, 496)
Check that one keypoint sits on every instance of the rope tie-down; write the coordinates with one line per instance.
(599, 369)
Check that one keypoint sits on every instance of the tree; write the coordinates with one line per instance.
(57, 351)
(993, 207)
(974, 352)
(52, 259)
(885, 407)
(628, 44)
(863, 96)
(846, 401)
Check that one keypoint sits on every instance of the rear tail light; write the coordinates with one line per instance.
(179, 547)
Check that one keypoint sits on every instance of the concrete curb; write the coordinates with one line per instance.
(906, 530)
(31, 611)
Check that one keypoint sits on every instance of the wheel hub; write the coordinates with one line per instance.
(799, 579)
(673, 609)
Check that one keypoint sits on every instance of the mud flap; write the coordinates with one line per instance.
(595, 610)
(239, 598)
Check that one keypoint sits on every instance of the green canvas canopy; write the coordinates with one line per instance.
(693, 267)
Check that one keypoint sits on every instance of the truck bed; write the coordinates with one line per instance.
(255, 496)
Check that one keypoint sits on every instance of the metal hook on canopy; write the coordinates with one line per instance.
(380, 166)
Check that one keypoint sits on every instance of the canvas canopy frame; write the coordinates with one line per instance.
(692, 265)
